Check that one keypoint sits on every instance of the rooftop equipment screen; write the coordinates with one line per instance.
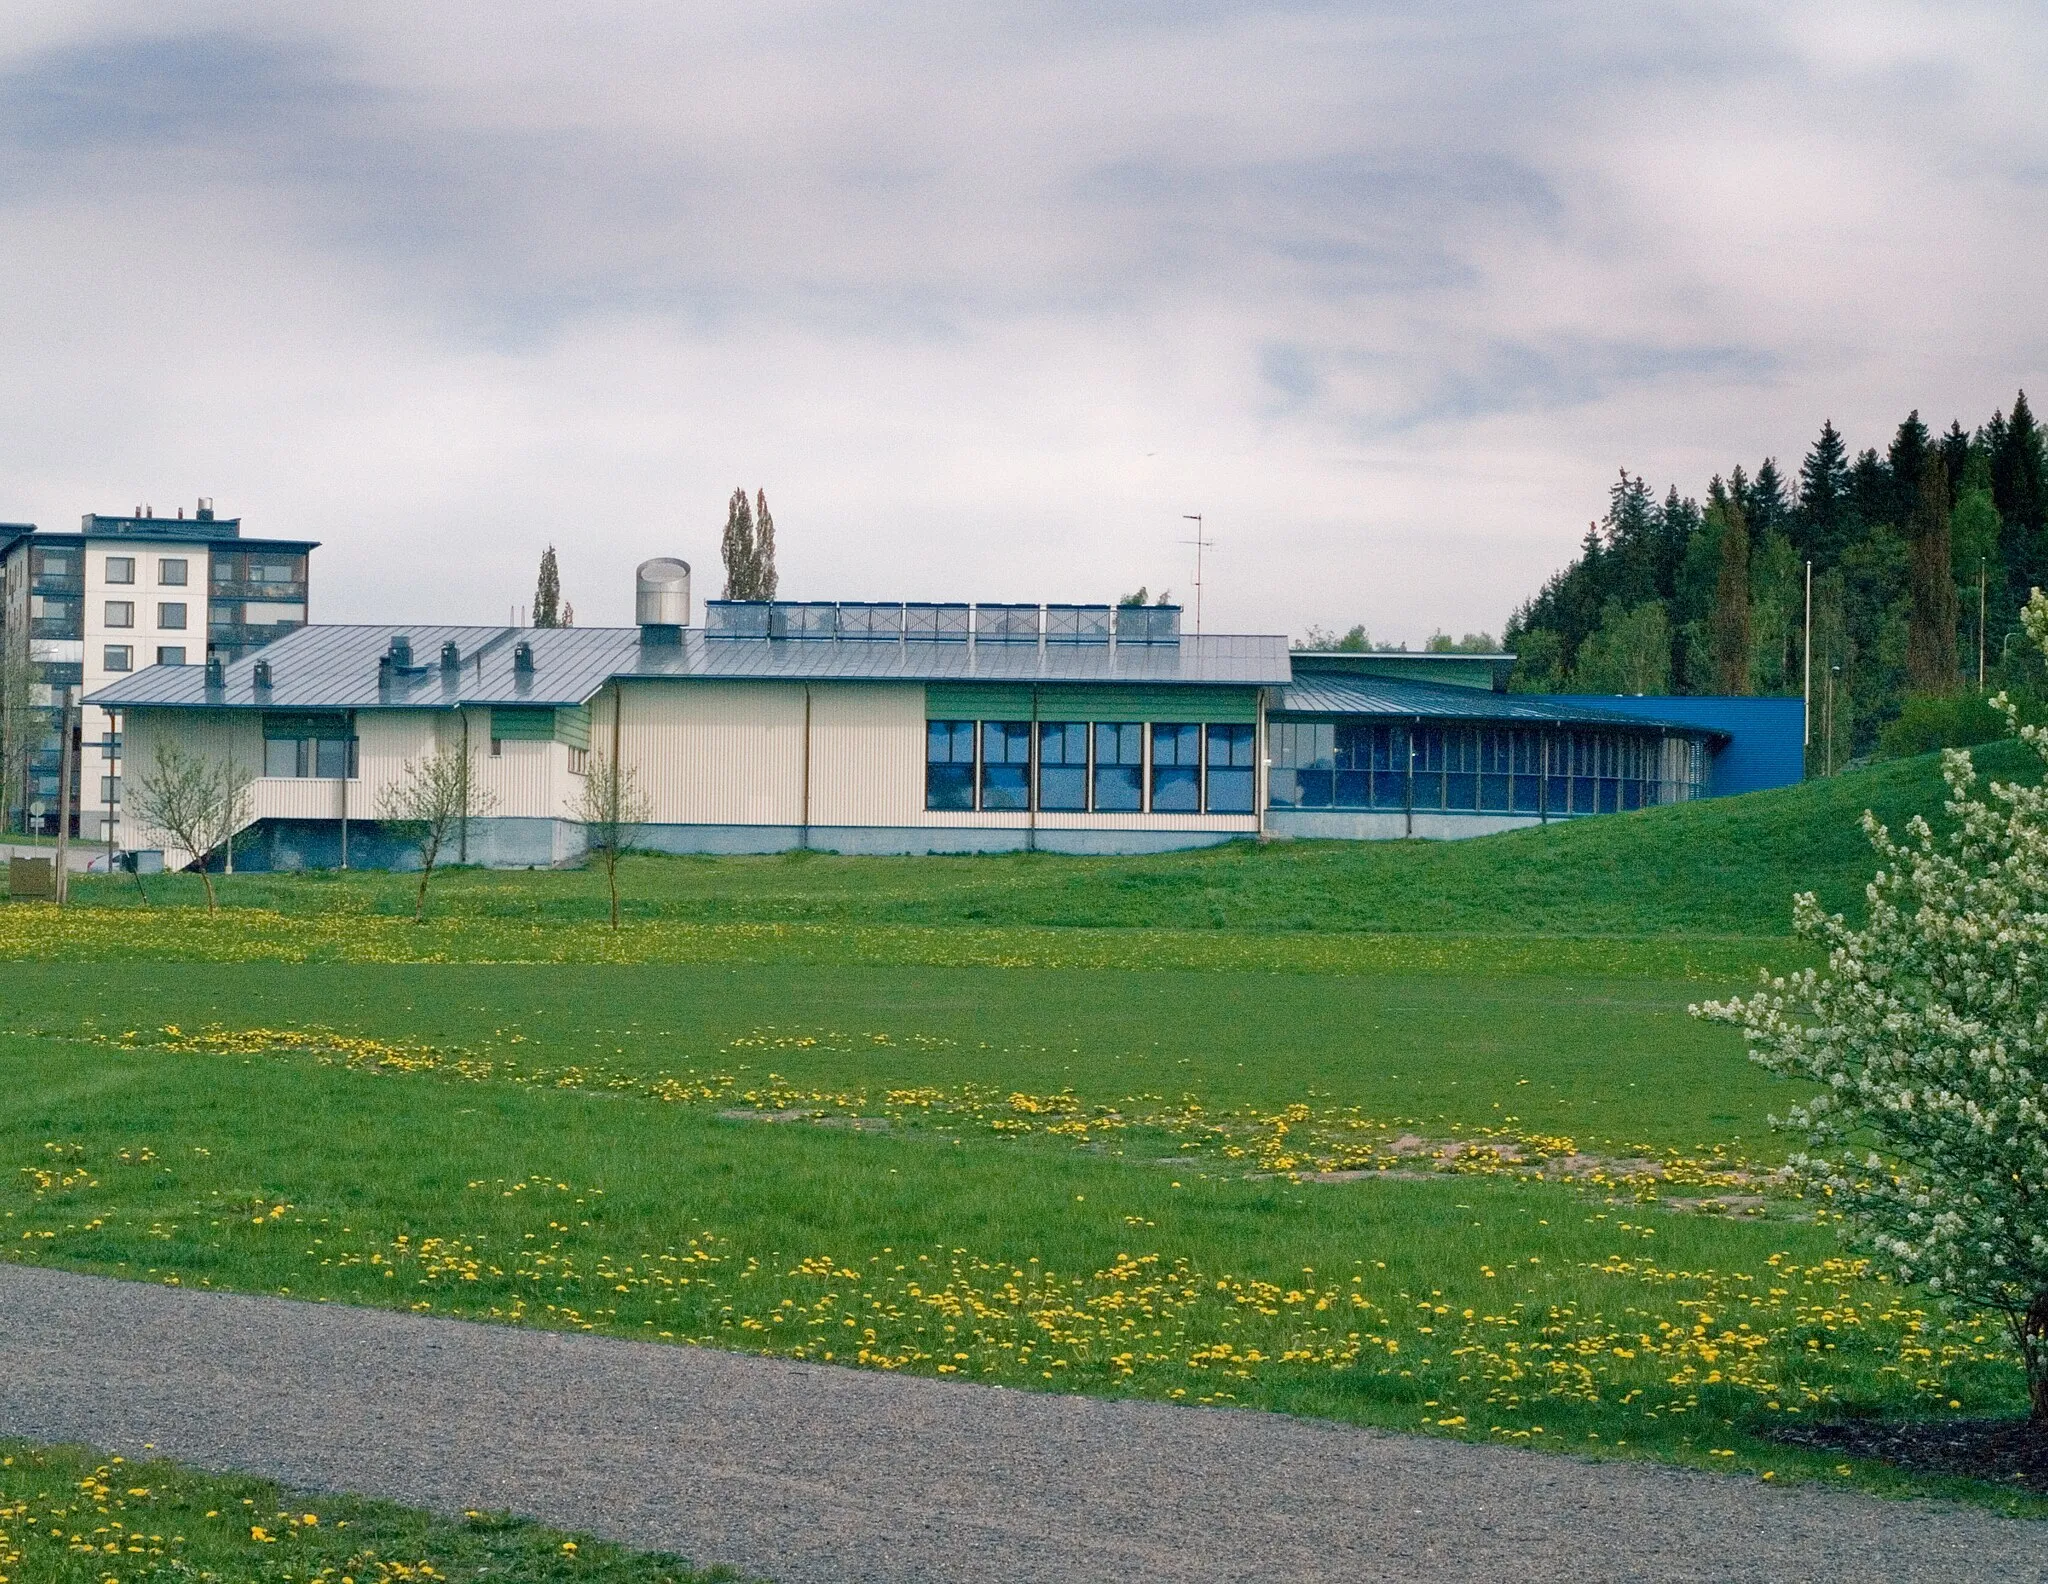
(1077, 624)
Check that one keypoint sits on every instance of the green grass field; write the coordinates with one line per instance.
(71, 1516)
(1038, 1121)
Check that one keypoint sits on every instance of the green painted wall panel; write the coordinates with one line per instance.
(1090, 702)
(572, 726)
(523, 725)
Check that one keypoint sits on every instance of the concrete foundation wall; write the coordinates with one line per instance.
(1358, 825)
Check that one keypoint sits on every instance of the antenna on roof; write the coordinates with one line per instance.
(1200, 543)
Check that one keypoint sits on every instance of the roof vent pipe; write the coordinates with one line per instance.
(661, 600)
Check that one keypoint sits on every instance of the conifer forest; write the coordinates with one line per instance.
(1922, 555)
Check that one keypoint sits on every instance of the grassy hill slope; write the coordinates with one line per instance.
(1725, 866)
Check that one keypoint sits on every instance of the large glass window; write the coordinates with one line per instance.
(1006, 765)
(1231, 769)
(1063, 766)
(1304, 754)
(1119, 768)
(949, 765)
(1176, 768)
(329, 758)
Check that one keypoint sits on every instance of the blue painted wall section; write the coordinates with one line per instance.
(1767, 736)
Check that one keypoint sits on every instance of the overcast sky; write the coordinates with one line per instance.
(984, 298)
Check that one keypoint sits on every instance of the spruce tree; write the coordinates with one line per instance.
(1871, 498)
(1820, 529)
(547, 593)
(1767, 510)
(2017, 489)
(1731, 593)
(1907, 459)
(1931, 621)
(1955, 456)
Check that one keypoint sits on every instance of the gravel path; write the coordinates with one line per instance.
(806, 1472)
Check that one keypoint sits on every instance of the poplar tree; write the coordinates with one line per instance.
(736, 549)
(1931, 621)
(547, 593)
(764, 548)
(1731, 594)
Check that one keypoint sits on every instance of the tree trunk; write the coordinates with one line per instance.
(2033, 1340)
(206, 879)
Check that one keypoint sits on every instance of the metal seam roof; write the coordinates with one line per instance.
(335, 667)
(1328, 694)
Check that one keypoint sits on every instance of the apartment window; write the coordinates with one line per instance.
(1063, 766)
(120, 569)
(170, 614)
(170, 654)
(171, 572)
(1119, 767)
(118, 657)
(120, 613)
(1176, 769)
(949, 765)
(1006, 765)
(110, 746)
(110, 789)
(579, 761)
(1230, 769)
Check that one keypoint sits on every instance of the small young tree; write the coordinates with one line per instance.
(612, 808)
(192, 802)
(1924, 1034)
(433, 794)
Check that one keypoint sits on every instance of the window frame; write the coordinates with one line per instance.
(163, 616)
(951, 770)
(1234, 736)
(125, 577)
(176, 649)
(998, 780)
(1099, 768)
(109, 663)
(125, 622)
(1065, 766)
(164, 578)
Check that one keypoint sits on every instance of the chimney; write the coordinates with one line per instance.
(216, 674)
(522, 659)
(451, 660)
(259, 679)
(661, 600)
(401, 652)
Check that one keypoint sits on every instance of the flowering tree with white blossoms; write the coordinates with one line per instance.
(1927, 1033)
